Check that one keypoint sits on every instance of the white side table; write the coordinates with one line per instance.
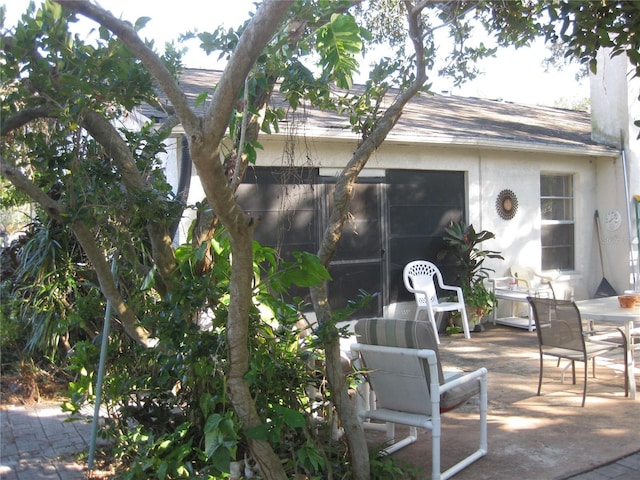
(504, 289)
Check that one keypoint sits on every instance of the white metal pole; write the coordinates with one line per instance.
(627, 198)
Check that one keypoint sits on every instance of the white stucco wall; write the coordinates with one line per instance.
(614, 108)
(487, 173)
(599, 184)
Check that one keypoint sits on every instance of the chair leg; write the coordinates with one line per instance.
(434, 324)
(626, 369)
(391, 432)
(436, 433)
(483, 446)
(540, 376)
(584, 389)
(432, 319)
(395, 446)
(465, 323)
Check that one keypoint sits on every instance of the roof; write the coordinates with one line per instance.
(444, 120)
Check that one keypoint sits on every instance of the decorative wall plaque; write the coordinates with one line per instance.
(507, 204)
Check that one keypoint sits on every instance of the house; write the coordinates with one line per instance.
(452, 158)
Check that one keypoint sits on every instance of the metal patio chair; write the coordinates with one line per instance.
(401, 363)
(420, 279)
(560, 334)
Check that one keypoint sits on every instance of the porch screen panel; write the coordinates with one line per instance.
(283, 202)
(357, 264)
(420, 205)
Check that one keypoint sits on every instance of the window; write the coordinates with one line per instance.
(558, 224)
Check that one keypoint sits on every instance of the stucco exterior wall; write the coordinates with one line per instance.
(614, 108)
(600, 183)
(487, 173)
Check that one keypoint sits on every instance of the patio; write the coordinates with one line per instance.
(531, 437)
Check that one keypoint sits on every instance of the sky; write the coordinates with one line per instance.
(514, 76)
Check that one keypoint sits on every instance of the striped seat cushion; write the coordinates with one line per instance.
(418, 335)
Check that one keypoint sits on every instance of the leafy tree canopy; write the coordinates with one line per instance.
(102, 194)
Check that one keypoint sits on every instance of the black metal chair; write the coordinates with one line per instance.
(560, 334)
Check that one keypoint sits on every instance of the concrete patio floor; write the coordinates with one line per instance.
(550, 437)
(531, 437)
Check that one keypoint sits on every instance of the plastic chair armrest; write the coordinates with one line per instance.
(481, 373)
(450, 288)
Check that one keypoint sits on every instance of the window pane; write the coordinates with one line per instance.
(557, 247)
(557, 235)
(557, 258)
(557, 208)
(556, 186)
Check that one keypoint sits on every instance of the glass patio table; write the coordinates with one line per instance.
(608, 308)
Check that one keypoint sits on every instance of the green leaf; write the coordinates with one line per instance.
(221, 459)
(212, 422)
(261, 432)
(149, 280)
(200, 99)
(164, 444)
(140, 23)
(104, 32)
(56, 10)
(162, 470)
(211, 443)
(310, 270)
(219, 433)
(292, 418)
(202, 250)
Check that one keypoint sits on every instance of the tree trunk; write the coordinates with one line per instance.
(238, 350)
(339, 387)
(342, 196)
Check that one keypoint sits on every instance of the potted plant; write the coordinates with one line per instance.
(463, 242)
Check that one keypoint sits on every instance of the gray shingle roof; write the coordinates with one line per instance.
(450, 120)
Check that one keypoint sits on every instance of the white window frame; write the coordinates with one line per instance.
(546, 223)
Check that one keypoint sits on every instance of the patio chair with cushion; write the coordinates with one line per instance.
(401, 362)
(419, 278)
(561, 335)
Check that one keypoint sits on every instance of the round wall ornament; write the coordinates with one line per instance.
(613, 220)
(507, 204)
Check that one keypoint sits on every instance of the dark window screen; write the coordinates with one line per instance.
(421, 204)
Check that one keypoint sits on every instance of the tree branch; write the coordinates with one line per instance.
(24, 184)
(344, 186)
(25, 116)
(254, 38)
(119, 151)
(109, 289)
(151, 60)
(86, 238)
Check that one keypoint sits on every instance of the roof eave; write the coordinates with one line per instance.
(590, 150)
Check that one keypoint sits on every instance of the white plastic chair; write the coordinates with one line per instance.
(400, 360)
(536, 284)
(418, 279)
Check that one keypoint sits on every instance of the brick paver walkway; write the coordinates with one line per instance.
(38, 442)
